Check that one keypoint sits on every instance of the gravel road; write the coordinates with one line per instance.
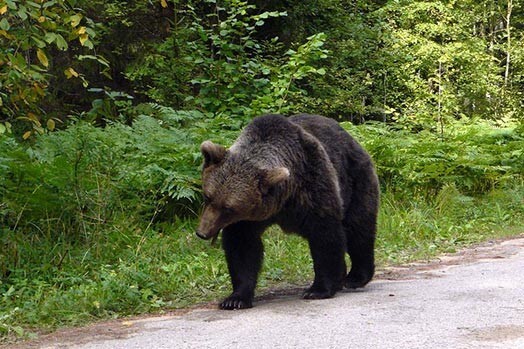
(473, 299)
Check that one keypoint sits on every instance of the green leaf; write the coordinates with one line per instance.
(18, 330)
(90, 32)
(34, 4)
(22, 13)
(11, 4)
(61, 43)
(50, 37)
(49, 4)
(39, 43)
(89, 44)
(4, 24)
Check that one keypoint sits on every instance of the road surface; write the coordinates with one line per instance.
(473, 299)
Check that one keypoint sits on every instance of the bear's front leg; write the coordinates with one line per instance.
(244, 251)
(327, 245)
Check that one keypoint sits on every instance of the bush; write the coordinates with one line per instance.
(474, 157)
(80, 178)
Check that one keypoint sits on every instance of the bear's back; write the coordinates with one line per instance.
(337, 142)
(351, 162)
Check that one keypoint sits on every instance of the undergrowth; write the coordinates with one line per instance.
(99, 222)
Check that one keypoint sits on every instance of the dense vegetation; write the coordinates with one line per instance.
(103, 105)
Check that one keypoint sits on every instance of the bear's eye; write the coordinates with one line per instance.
(207, 199)
(228, 209)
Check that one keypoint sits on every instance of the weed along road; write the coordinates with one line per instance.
(472, 299)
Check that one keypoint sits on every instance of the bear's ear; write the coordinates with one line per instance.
(271, 177)
(213, 153)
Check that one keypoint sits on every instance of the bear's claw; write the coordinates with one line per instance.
(314, 293)
(234, 302)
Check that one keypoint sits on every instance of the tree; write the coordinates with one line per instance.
(31, 36)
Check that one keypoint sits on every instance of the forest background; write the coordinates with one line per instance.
(103, 105)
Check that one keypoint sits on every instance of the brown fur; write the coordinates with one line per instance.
(304, 173)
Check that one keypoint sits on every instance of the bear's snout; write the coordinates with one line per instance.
(202, 236)
(206, 234)
(210, 224)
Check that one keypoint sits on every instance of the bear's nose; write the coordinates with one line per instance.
(202, 236)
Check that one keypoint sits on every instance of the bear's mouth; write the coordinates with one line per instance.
(213, 236)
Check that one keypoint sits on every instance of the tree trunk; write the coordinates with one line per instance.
(508, 42)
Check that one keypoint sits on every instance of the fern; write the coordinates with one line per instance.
(475, 158)
(174, 117)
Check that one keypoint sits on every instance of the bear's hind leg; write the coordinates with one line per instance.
(244, 251)
(326, 242)
(361, 250)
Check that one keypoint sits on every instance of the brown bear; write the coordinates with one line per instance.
(309, 176)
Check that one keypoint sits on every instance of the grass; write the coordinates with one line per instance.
(124, 270)
(418, 228)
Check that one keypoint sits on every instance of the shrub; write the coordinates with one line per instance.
(473, 157)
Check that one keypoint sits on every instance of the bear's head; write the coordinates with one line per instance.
(237, 187)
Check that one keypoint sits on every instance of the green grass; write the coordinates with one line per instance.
(127, 270)
(417, 228)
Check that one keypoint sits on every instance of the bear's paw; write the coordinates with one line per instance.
(317, 293)
(235, 302)
(357, 279)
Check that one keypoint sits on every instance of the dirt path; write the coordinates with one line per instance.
(472, 299)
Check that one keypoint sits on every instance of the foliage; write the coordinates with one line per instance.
(392, 61)
(32, 34)
(231, 71)
(418, 62)
(417, 226)
(474, 158)
(229, 66)
(78, 179)
(421, 63)
(443, 71)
